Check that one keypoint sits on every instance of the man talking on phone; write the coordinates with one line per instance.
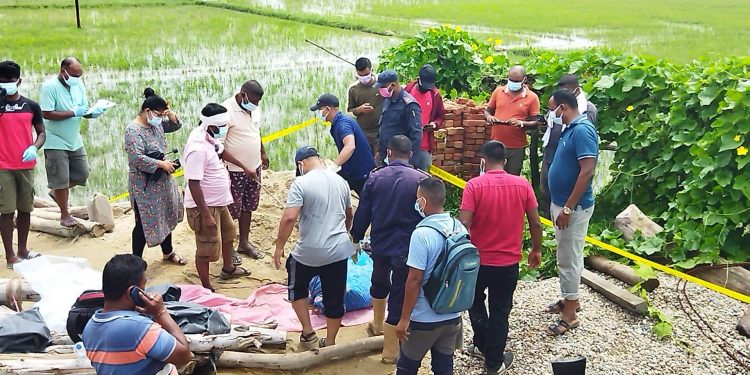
(133, 333)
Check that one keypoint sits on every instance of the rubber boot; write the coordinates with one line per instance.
(569, 366)
(378, 309)
(390, 344)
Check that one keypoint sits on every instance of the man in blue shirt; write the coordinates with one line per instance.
(572, 201)
(421, 329)
(387, 206)
(401, 114)
(355, 157)
(133, 333)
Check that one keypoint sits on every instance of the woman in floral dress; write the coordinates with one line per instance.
(153, 193)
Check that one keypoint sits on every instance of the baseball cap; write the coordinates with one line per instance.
(325, 100)
(303, 153)
(386, 77)
(427, 76)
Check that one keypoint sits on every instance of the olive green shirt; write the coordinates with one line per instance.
(360, 94)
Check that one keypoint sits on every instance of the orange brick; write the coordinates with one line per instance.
(474, 123)
(474, 116)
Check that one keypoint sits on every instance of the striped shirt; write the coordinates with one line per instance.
(125, 342)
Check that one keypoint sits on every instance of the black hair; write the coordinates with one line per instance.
(10, 70)
(568, 80)
(362, 63)
(493, 151)
(433, 189)
(153, 101)
(213, 109)
(565, 97)
(67, 62)
(400, 145)
(252, 87)
(120, 273)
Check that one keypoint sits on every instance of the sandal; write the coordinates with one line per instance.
(557, 308)
(322, 343)
(236, 259)
(473, 351)
(174, 259)
(308, 342)
(31, 255)
(561, 327)
(234, 273)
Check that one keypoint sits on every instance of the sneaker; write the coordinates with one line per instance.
(507, 364)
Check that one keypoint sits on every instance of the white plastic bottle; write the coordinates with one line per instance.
(80, 350)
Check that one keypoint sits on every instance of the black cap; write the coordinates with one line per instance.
(325, 100)
(386, 78)
(303, 153)
(427, 76)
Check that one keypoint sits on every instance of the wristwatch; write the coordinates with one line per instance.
(567, 210)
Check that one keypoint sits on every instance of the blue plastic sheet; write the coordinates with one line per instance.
(358, 283)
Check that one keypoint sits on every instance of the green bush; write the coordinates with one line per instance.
(681, 132)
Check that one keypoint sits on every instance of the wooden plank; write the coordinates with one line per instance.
(620, 271)
(614, 293)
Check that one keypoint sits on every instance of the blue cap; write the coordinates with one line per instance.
(303, 153)
(387, 77)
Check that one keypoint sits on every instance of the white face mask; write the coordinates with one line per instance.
(481, 166)
(364, 79)
(320, 114)
(553, 118)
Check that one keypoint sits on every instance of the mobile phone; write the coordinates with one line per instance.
(135, 295)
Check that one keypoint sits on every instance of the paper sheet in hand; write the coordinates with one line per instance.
(101, 103)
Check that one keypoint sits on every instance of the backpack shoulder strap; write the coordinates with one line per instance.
(444, 252)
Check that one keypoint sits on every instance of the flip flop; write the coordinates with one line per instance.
(174, 258)
(561, 327)
(10, 265)
(235, 273)
(31, 255)
(257, 255)
(236, 259)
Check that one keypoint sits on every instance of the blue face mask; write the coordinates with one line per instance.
(11, 88)
(221, 134)
(385, 161)
(320, 115)
(155, 120)
(418, 209)
(72, 81)
(515, 86)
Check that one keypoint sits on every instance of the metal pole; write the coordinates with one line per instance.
(78, 15)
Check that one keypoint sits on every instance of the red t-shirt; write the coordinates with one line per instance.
(425, 102)
(499, 202)
(17, 120)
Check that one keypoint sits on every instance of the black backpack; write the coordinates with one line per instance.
(83, 309)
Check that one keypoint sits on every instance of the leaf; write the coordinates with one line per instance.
(643, 271)
(724, 177)
(708, 94)
(662, 330)
(605, 82)
(728, 142)
(650, 246)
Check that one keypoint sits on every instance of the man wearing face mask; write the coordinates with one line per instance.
(433, 113)
(64, 103)
(497, 199)
(572, 202)
(355, 159)
(511, 111)
(365, 103)
(401, 114)
(208, 195)
(554, 130)
(320, 199)
(386, 206)
(133, 333)
(245, 157)
(20, 118)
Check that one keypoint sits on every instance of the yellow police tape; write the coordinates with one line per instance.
(269, 138)
(435, 171)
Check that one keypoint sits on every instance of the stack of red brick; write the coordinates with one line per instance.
(464, 131)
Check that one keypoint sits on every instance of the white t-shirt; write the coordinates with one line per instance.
(243, 136)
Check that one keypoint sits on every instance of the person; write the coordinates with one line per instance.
(156, 201)
(63, 102)
(433, 112)
(245, 157)
(20, 117)
(320, 199)
(420, 328)
(208, 195)
(554, 130)
(133, 333)
(570, 178)
(512, 110)
(401, 114)
(365, 102)
(497, 199)
(386, 206)
(354, 158)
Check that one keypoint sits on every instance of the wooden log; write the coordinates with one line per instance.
(90, 227)
(100, 211)
(632, 220)
(614, 293)
(78, 212)
(121, 208)
(620, 272)
(299, 361)
(54, 228)
(743, 327)
(43, 203)
(26, 364)
(17, 289)
(734, 278)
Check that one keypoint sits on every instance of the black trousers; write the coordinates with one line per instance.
(389, 275)
(491, 330)
(139, 238)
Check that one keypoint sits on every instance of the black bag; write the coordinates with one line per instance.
(83, 309)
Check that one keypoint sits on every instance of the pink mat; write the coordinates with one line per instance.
(267, 304)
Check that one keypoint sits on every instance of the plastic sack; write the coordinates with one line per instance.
(358, 283)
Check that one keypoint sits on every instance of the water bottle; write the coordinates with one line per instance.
(80, 350)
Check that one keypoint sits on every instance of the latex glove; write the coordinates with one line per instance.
(80, 111)
(334, 168)
(97, 112)
(29, 154)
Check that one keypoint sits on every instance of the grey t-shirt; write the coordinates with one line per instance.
(324, 198)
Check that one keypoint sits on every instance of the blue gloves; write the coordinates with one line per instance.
(97, 112)
(29, 154)
(80, 111)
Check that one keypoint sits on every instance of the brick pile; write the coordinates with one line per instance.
(464, 131)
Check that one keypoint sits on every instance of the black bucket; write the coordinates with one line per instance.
(569, 366)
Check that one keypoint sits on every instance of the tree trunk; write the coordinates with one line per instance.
(299, 361)
(620, 272)
(90, 227)
(734, 278)
(633, 220)
(78, 212)
(44, 203)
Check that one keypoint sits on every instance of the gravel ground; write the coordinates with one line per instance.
(613, 340)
